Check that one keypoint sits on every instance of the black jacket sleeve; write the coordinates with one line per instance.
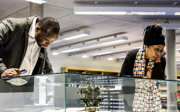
(159, 69)
(6, 27)
(128, 65)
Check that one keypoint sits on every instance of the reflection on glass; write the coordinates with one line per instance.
(147, 96)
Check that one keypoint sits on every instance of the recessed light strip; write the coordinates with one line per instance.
(93, 45)
(126, 10)
(37, 1)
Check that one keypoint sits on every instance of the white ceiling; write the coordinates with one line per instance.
(100, 26)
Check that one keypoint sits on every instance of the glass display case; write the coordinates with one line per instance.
(68, 92)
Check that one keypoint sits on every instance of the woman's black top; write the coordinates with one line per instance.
(128, 65)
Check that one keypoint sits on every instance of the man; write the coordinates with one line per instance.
(23, 43)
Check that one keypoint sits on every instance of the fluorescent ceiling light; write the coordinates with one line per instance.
(101, 13)
(108, 50)
(74, 35)
(120, 13)
(177, 13)
(110, 58)
(119, 40)
(55, 53)
(37, 1)
(114, 42)
(89, 10)
(147, 13)
(84, 56)
(57, 41)
(102, 53)
(77, 47)
(71, 50)
(78, 35)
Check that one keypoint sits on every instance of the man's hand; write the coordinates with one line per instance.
(12, 72)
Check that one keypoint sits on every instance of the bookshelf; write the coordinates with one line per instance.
(90, 71)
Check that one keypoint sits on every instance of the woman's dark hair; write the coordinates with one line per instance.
(153, 35)
(49, 25)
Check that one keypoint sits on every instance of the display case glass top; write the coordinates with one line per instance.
(74, 92)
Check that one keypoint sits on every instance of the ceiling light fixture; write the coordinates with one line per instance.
(101, 13)
(84, 56)
(110, 58)
(108, 50)
(71, 50)
(126, 10)
(93, 45)
(79, 34)
(74, 35)
(146, 13)
(102, 53)
(98, 11)
(105, 43)
(114, 42)
(177, 13)
(55, 53)
(37, 1)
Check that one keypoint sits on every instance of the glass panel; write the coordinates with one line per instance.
(44, 93)
(66, 92)
(121, 94)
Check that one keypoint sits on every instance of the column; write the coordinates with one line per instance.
(171, 71)
(36, 9)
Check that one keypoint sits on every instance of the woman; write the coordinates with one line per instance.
(147, 62)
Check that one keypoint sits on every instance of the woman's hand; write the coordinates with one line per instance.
(164, 52)
(149, 73)
(158, 59)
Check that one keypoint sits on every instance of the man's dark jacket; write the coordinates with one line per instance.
(13, 45)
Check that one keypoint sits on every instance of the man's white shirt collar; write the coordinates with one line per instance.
(31, 32)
